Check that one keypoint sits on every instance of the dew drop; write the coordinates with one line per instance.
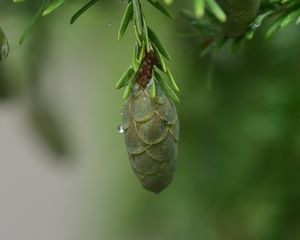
(120, 129)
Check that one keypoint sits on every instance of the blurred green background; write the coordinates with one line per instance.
(64, 172)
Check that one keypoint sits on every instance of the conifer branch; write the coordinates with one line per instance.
(244, 19)
(146, 41)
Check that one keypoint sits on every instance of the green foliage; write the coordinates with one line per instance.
(237, 20)
(125, 78)
(244, 18)
(33, 21)
(125, 21)
(166, 86)
(224, 20)
(161, 8)
(48, 7)
(200, 7)
(53, 6)
(82, 10)
(146, 41)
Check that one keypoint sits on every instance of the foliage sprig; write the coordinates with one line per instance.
(47, 7)
(208, 17)
(202, 6)
(276, 14)
(146, 41)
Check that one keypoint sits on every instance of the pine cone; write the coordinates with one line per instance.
(151, 130)
(239, 13)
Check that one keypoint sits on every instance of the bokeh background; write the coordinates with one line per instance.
(64, 172)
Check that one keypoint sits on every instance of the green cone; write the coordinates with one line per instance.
(151, 130)
(239, 14)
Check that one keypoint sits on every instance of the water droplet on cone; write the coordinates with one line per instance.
(120, 129)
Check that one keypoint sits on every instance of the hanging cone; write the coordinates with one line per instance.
(151, 130)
